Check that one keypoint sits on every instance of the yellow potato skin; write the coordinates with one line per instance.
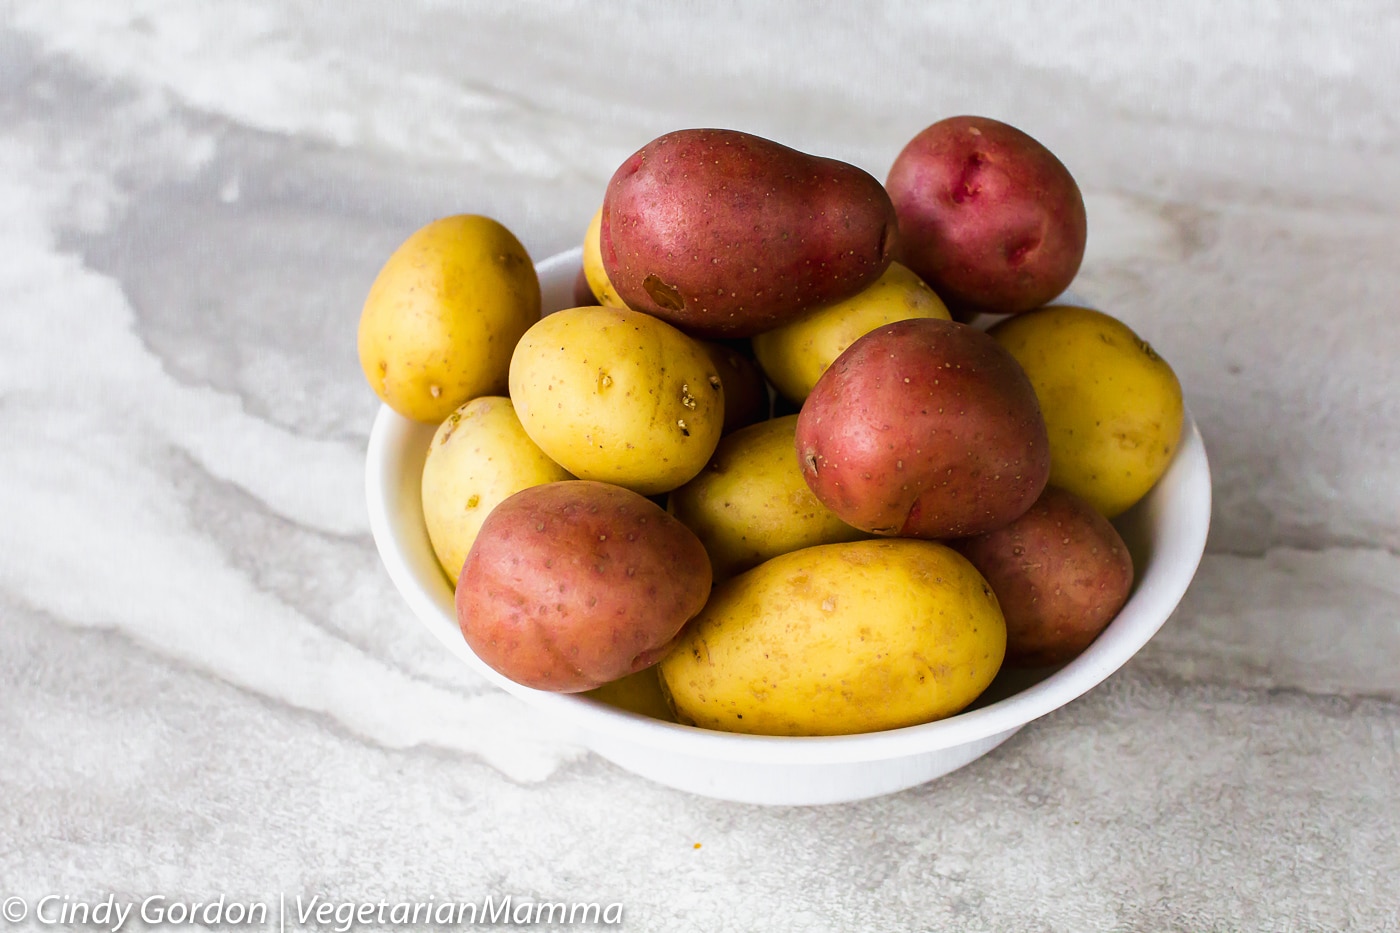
(636, 693)
(443, 316)
(751, 503)
(839, 639)
(795, 355)
(618, 396)
(479, 457)
(1113, 407)
(593, 269)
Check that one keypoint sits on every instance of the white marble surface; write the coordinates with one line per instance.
(207, 684)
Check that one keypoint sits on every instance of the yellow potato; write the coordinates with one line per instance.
(636, 693)
(479, 457)
(593, 269)
(795, 355)
(839, 639)
(443, 316)
(751, 503)
(1113, 407)
(618, 396)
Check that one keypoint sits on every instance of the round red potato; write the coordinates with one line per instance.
(1061, 573)
(924, 428)
(987, 216)
(726, 234)
(574, 584)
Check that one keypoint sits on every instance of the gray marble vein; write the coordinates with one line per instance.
(207, 683)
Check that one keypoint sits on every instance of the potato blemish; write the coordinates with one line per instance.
(666, 296)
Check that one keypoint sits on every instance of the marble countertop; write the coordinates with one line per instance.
(209, 686)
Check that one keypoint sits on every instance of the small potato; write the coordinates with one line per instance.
(444, 314)
(479, 457)
(1113, 407)
(618, 396)
(726, 234)
(839, 639)
(572, 585)
(924, 428)
(583, 292)
(1060, 572)
(795, 355)
(593, 271)
(987, 215)
(637, 693)
(745, 392)
(751, 502)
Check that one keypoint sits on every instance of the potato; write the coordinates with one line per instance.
(924, 428)
(745, 392)
(751, 502)
(637, 693)
(1060, 572)
(839, 639)
(795, 355)
(725, 234)
(479, 457)
(571, 585)
(583, 292)
(618, 396)
(1112, 405)
(987, 215)
(444, 315)
(593, 271)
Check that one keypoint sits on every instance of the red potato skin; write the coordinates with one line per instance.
(1061, 573)
(725, 234)
(925, 429)
(987, 216)
(575, 584)
(745, 392)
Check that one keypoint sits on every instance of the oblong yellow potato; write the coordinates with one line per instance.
(444, 314)
(751, 503)
(479, 457)
(618, 396)
(795, 355)
(1112, 406)
(593, 269)
(839, 639)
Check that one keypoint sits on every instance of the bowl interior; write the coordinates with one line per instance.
(1165, 533)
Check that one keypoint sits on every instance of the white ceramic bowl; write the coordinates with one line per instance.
(1166, 534)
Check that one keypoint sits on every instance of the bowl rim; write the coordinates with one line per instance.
(1158, 590)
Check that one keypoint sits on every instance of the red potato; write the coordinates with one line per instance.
(745, 392)
(987, 215)
(575, 584)
(725, 234)
(1061, 573)
(924, 428)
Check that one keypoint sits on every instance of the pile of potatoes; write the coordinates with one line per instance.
(626, 505)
